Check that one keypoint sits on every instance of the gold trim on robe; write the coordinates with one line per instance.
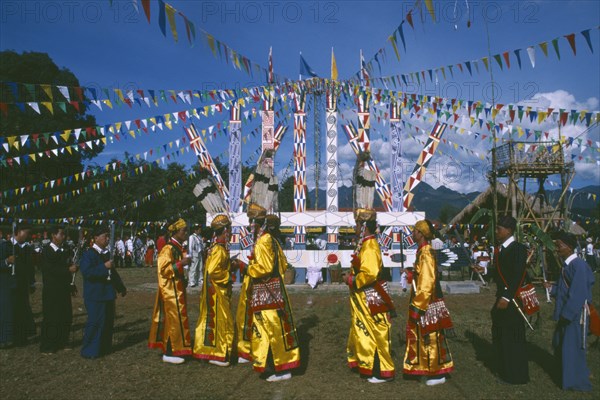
(214, 331)
(426, 354)
(370, 333)
(169, 319)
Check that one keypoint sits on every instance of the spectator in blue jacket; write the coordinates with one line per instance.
(100, 284)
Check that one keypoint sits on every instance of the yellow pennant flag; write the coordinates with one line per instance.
(49, 106)
(48, 90)
(334, 70)
(171, 16)
(429, 4)
(541, 116)
(65, 135)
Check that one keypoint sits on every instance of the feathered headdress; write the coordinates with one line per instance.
(208, 194)
(265, 189)
(364, 189)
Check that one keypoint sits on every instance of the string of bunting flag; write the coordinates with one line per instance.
(156, 122)
(29, 94)
(503, 59)
(380, 54)
(121, 129)
(511, 130)
(149, 197)
(219, 49)
(94, 171)
(502, 112)
(94, 186)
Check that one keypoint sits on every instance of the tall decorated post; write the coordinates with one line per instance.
(331, 148)
(268, 115)
(396, 166)
(300, 163)
(235, 167)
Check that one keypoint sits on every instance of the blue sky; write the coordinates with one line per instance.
(115, 47)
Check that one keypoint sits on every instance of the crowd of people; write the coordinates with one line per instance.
(263, 322)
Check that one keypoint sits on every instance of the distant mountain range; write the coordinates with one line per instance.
(434, 202)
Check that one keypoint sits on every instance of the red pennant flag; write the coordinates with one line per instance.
(506, 59)
(75, 105)
(571, 39)
(146, 5)
(409, 19)
(79, 92)
(4, 108)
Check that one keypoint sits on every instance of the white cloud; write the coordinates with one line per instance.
(562, 99)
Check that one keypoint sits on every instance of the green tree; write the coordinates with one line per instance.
(447, 212)
(19, 76)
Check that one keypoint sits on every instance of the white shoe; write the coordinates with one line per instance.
(280, 377)
(433, 382)
(219, 363)
(242, 360)
(377, 380)
(173, 360)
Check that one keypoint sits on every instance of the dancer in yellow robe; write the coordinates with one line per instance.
(273, 325)
(371, 307)
(170, 329)
(427, 354)
(243, 322)
(214, 331)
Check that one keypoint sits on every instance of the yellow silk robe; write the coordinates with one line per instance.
(370, 334)
(243, 322)
(426, 354)
(169, 319)
(214, 331)
(273, 328)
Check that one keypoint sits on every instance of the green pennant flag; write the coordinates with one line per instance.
(555, 45)
(485, 62)
(31, 89)
(498, 60)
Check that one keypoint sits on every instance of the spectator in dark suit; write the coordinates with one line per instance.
(508, 326)
(100, 282)
(16, 284)
(57, 269)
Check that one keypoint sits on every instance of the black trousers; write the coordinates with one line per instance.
(510, 345)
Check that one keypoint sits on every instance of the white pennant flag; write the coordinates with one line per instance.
(35, 106)
(24, 139)
(531, 52)
(65, 92)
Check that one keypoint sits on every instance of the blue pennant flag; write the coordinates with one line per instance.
(305, 69)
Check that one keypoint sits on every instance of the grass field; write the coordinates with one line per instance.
(322, 320)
